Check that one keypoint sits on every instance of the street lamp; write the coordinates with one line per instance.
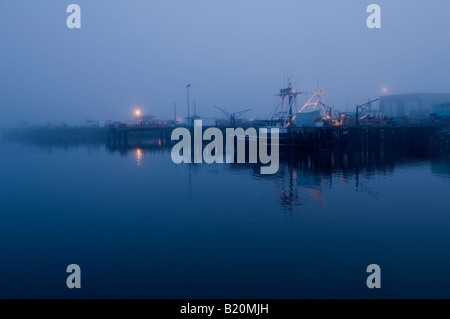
(138, 116)
(187, 90)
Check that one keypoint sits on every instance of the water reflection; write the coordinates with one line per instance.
(302, 177)
(441, 167)
(342, 209)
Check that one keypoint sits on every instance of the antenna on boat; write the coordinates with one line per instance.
(314, 100)
(311, 105)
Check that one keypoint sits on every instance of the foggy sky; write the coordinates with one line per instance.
(236, 54)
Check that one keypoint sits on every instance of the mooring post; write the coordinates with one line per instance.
(114, 137)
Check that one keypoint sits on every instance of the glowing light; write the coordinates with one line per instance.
(137, 112)
(384, 90)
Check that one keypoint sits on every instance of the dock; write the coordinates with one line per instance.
(309, 139)
(334, 138)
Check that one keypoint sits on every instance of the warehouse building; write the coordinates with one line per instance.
(412, 106)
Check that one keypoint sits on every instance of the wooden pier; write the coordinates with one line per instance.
(118, 137)
(311, 139)
(328, 138)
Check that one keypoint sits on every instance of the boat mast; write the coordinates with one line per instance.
(283, 112)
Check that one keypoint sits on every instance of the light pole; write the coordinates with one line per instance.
(195, 109)
(187, 90)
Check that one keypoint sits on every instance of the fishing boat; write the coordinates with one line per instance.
(310, 115)
(283, 112)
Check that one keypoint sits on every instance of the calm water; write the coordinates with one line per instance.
(140, 226)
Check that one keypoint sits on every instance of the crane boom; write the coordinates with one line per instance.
(232, 116)
(241, 112)
(225, 112)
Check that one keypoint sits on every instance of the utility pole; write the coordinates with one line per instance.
(188, 119)
(357, 116)
(175, 113)
(195, 109)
